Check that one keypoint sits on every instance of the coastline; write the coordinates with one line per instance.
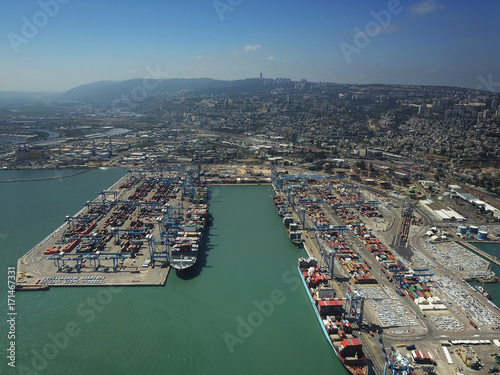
(49, 178)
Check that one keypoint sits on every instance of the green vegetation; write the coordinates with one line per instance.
(361, 164)
(35, 110)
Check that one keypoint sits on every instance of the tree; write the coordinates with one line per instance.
(361, 164)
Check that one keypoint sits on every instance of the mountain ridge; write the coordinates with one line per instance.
(110, 90)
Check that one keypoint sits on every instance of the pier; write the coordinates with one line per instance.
(124, 237)
(491, 258)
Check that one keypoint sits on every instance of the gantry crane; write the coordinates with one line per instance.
(396, 363)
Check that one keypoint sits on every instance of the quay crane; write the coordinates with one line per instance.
(278, 179)
(103, 204)
(356, 204)
(131, 232)
(158, 248)
(330, 227)
(88, 238)
(81, 258)
(104, 194)
(354, 305)
(172, 217)
(396, 365)
(328, 256)
(189, 181)
(77, 219)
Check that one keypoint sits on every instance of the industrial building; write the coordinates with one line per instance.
(472, 199)
(440, 211)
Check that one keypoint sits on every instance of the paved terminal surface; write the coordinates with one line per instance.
(119, 222)
(111, 235)
(438, 322)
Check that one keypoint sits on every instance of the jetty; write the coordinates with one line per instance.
(481, 252)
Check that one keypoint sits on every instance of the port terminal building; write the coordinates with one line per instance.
(440, 211)
(472, 199)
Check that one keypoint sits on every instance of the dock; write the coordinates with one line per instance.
(481, 252)
(122, 238)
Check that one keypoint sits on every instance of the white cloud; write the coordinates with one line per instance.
(206, 58)
(253, 47)
(425, 7)
(270, 58)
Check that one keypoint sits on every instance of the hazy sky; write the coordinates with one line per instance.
(55, 45)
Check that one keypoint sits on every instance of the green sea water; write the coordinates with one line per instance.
(492, 288)
(242, 310)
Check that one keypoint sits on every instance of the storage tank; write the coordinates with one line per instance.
(461, 229)
(369, 181)
(482, 235)
(473, 229)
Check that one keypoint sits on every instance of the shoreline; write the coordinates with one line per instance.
(48, 178)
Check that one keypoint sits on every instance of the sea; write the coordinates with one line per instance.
(492, 288)
(241, 310)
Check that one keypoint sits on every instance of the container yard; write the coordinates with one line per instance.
(125, 236)
(375, 269)
(375, 250)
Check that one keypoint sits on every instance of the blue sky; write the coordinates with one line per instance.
(55, 45)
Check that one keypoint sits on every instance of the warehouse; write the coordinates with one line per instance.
(440, 211)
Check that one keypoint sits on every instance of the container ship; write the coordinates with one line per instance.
(292, 230)
(329, 310)
(189, 238)
(279, 205)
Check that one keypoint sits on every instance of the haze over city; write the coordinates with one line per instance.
(250, 187)
(55, 45)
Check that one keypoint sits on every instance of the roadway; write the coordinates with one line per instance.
(427, 334)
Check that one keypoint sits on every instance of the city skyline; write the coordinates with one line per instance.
(55, 45)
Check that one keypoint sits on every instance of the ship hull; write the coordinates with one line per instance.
(189, 241)
(182, 263)
(327, 336)
(298, 243)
